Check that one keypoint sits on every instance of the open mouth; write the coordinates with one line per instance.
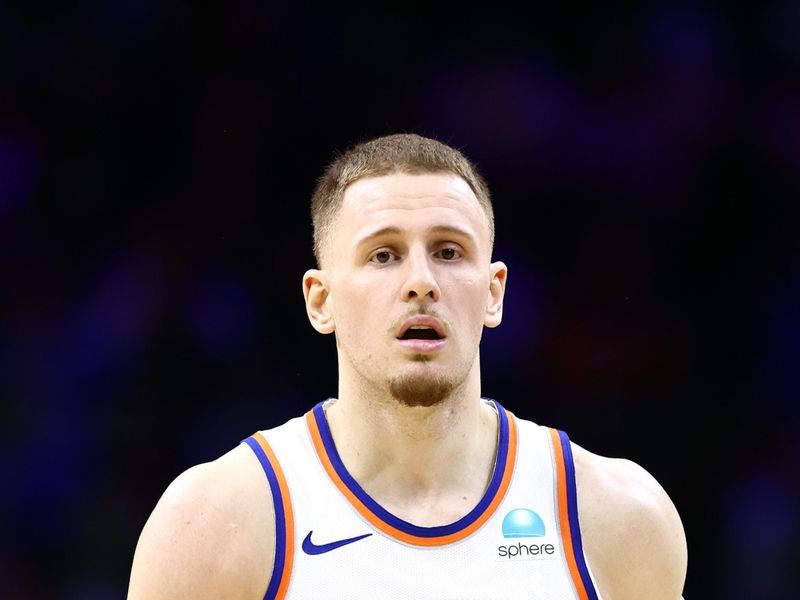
(420, 333)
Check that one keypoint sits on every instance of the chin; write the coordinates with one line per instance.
(421, 389)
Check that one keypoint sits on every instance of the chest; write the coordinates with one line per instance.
(512, 544)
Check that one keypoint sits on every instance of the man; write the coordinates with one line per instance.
(409, 484)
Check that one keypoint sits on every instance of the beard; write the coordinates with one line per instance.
(423, 389)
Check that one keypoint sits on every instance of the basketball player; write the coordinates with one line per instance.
(409, 484)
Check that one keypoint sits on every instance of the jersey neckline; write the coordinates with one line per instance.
(396, 527)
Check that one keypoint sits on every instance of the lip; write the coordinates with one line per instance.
(423, 346)
(426, 321)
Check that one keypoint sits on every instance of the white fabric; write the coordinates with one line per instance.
(381, 567)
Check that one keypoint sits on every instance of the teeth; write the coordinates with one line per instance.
(420, 327)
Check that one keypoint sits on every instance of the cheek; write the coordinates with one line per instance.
(471, 298)
(473, 288)
(355, 312)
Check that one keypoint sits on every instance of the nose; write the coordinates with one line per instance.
(420, 281)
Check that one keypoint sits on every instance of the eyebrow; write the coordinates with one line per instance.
(391, 230)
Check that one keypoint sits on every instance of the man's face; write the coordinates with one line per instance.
(410, 284)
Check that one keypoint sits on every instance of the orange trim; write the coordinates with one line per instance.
(287, 511)
(563, 515)
(408, 538)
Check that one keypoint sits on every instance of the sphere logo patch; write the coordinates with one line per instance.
(525, 523)
(522, 523)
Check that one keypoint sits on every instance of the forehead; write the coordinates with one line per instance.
(410, 201)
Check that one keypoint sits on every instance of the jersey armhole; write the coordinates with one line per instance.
(284, 520)
(567, 511)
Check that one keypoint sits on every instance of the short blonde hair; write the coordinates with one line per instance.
(397, 153)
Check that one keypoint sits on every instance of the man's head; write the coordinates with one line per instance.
(398, 153)
(407, 283)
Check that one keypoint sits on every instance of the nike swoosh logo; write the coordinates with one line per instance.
(310, 547)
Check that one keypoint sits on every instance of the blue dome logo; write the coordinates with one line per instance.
(522, 522)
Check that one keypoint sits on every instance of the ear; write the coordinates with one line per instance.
(497, 290)
(317, 294)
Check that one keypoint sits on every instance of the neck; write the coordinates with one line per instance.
(428, 465)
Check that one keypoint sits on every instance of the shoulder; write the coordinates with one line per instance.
(211, 535)
(632, 533)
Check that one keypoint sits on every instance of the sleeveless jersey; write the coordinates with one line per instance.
(522, 540)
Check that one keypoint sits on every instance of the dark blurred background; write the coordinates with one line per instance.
(156, 163)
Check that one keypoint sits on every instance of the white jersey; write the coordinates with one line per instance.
(522, 540)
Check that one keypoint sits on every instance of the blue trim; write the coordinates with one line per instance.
(396, 522)
(280, 519)
(572, 511)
